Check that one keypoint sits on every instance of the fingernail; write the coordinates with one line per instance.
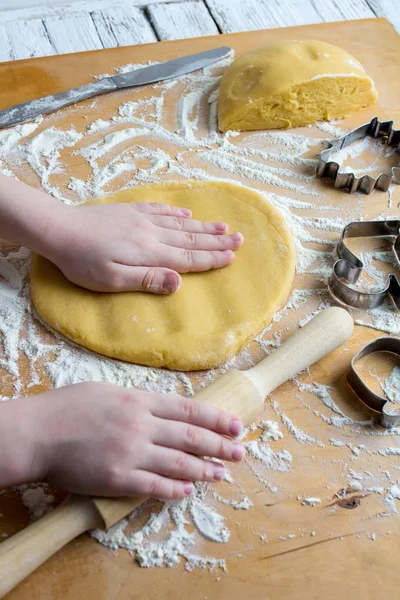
(229, 253)
(186, 212)
(219, 472)
(188, 488)
(238, 452)
(171, 282)
(235, 427)
(236, 237)
(220, 226)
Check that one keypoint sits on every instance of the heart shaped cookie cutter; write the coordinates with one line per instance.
(389, 412)
(349, 267)
(348, 181)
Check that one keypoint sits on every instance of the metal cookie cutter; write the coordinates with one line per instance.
(389, 412)
(348, 181)
(350, 267)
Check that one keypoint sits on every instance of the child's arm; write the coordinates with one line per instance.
(114, 247)
(100, 439)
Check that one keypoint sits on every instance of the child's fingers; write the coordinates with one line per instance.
(179, 465)
(157, 208)
(145, 483)
(188, 410)
(156, 280)
(201, 241)
(197, 440)
(190, 225)
(185, 260)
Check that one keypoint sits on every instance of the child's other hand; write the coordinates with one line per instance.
(101, 439)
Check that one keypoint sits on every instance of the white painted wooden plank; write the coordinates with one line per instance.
(247, 15)
(123, 27)
(389, 9)
(14, 4)
(181, 20)
(5, 46)
(28, 39)
(341, 10)
(51, 8)
(75, 33)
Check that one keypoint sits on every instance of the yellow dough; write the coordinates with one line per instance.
(292, 83)
(211, 317)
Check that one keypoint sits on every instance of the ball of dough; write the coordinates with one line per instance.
(292, 83)
(211, 317)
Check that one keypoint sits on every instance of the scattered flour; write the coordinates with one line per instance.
(178, 542)
(336, 443)
(311, 501)
(134, 146)
(270, 430)
(392, 495)
(37, 499)
(208, 522)
(97, 126)
(276, 461)
(356, 485)
(392, 387)
(300, 435)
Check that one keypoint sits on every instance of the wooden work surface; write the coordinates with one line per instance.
(341, 559)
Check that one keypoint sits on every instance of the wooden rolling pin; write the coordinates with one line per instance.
(240, 392)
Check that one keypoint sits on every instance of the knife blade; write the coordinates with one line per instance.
(27, 111)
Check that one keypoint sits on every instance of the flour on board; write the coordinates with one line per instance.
(138, 144)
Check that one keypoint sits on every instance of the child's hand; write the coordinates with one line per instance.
(114, 247)
(101, 439)
(137, 247)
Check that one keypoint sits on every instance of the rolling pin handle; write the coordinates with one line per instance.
(25, 551)
(324, 333)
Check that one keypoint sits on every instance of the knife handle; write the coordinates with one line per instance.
(48, 104)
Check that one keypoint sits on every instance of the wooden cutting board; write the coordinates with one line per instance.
(342, 559)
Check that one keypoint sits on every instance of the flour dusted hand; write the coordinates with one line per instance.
(101, 439)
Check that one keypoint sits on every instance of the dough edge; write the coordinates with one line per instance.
(209, 360)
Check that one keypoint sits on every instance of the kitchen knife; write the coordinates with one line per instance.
(159, 72)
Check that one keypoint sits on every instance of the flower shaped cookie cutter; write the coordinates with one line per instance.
(349, 181)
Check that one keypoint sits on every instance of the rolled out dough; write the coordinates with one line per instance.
(211, 317)
(292, 83)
